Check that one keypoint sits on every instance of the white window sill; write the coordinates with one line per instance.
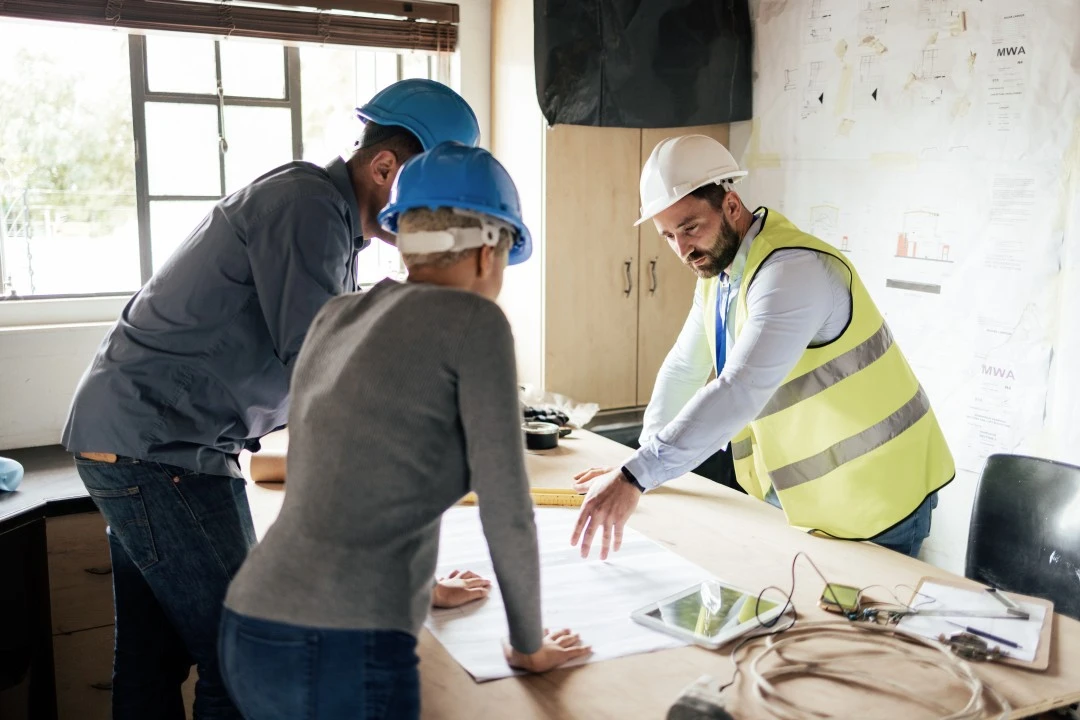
(61, 311)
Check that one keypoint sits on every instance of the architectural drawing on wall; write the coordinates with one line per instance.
(825, 224)
(931, 76)
(873, 17)
(1007, 78)
(789, 79)
(868, 84)
(814, 93)
(819, 23)
(919, 238)
(942, 15)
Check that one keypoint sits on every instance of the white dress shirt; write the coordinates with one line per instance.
(798, 298)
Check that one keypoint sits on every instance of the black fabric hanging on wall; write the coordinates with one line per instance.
(643, 63)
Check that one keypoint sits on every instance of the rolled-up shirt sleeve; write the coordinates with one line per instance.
(299, 257)
(788, 302)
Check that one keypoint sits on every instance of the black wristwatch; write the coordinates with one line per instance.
(631, 479)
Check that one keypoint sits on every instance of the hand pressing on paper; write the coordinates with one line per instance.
(608, 504)
(558, 648)
(459, 588)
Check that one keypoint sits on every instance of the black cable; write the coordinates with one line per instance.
(788, 603)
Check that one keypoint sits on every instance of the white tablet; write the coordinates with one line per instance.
(709, 614)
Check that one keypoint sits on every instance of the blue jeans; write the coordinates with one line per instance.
(906, 537)
(176, 537)
(277, 671)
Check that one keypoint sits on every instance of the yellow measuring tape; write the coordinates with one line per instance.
(557, 497)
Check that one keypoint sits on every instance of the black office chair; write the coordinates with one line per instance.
(1025, 530)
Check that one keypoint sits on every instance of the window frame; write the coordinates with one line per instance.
(141, 94)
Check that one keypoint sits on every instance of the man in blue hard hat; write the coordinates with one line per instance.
(198, 368)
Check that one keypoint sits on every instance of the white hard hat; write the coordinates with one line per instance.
(680, 165)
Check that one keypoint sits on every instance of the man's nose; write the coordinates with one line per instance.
(682, 246)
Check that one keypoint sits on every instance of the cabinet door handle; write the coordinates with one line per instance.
(652, 275)
(629, 278)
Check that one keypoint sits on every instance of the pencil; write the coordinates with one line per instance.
(988, 636)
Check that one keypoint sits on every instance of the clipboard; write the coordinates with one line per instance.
(1042, 652)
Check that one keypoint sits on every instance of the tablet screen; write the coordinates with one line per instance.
(710, 610)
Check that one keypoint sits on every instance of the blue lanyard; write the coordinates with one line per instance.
(721, 318)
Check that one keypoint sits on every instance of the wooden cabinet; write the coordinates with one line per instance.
(80, 575)
(80, 595)
(601, 302)
(82, 662)
(591, 263)
(80, 590)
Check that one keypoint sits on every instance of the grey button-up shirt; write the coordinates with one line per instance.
(198, 366)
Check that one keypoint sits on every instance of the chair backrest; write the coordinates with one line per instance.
(1025, 530)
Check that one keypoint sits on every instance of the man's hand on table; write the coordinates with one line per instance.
(610, 500)
(583, 480)
(459, 588)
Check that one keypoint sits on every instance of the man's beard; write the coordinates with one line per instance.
(719, 255)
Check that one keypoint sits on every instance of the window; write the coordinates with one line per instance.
(68, 220)
(114, 146)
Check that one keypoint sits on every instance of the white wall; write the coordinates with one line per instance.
(474, 53)
(41, 361)
(518, 131)
(39, 369)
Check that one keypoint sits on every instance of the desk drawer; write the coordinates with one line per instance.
(80, 579)
(83, 666)
(83, 660)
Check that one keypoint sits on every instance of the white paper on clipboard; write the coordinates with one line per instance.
(933, 596)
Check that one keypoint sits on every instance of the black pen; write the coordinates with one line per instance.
(988, 636)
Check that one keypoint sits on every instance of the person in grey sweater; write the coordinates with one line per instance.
(404, 399)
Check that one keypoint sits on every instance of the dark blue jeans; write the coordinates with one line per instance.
(277, 671)
(177, 538)
(906, 537)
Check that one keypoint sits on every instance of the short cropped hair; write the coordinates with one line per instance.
(426, 219)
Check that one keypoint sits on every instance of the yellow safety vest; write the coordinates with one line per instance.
(848, 440)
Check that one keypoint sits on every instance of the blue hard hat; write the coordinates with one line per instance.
(466, 178)
(430, 110)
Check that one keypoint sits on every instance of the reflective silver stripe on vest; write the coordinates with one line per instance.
(742, 449)
(832, 372)
(856, 446)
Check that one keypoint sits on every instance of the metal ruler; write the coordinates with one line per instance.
(961, 614)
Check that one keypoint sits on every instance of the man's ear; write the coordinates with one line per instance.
(733, 206)
(383, 167)
(485, 260)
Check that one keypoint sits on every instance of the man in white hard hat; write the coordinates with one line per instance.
(824, 415)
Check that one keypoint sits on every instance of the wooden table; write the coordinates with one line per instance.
(741, 540)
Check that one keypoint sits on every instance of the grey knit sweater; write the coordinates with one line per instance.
(403, 399)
